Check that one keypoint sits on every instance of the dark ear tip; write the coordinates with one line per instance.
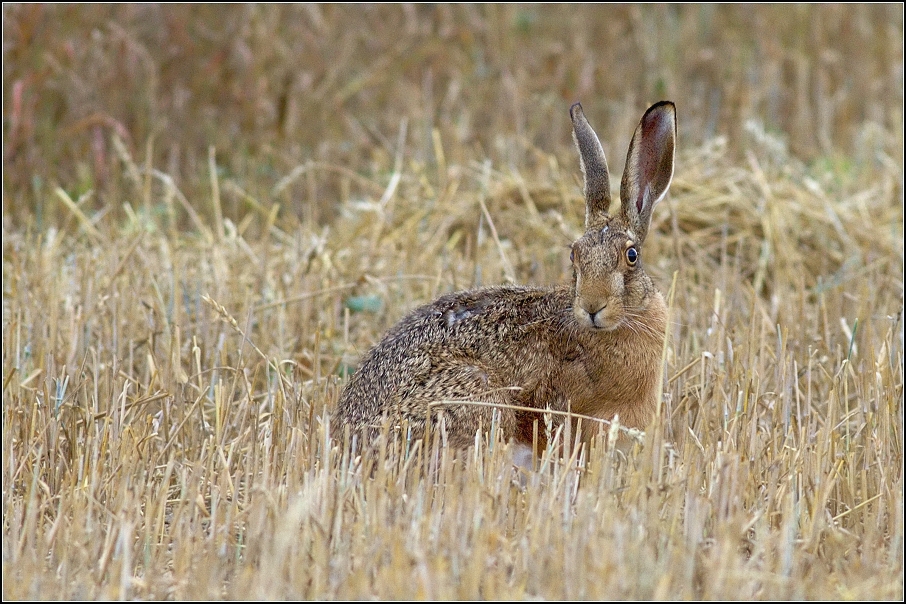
(662, 106)
(575, 111)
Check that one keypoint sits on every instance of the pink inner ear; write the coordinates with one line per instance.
(650, 153)
(640, 203)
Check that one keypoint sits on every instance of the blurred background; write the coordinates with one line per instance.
(271, 88)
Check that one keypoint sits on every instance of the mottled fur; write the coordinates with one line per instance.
(593, 346)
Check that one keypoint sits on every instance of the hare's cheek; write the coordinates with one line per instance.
(631, 278)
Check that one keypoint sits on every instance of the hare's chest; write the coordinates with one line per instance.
(596, 379)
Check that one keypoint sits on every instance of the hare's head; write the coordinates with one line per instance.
(610, 285)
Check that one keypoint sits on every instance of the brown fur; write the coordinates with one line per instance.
(593, 347)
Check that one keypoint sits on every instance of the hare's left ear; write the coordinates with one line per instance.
(649, 167)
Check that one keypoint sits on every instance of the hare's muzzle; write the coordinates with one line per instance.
(596, 314)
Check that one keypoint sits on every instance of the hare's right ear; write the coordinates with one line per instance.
(649, 167)
(594, 168)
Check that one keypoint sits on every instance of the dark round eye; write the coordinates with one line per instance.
(632, 256)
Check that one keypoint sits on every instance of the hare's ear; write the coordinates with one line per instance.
(594, 168)
(649, 167)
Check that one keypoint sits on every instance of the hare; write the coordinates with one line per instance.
(592, 347)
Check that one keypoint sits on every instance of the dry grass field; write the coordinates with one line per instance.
(211, 212)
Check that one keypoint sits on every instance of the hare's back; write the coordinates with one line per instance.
(475, 322)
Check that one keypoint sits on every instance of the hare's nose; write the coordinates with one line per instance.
(596, 314)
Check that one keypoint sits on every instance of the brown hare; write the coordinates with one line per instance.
(592, 347)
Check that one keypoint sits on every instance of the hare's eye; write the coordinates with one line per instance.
(632, 256)
(572, 255)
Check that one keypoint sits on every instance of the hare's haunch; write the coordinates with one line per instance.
(592, 347)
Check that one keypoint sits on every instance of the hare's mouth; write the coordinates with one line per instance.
(596, 319)
(607, 327)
